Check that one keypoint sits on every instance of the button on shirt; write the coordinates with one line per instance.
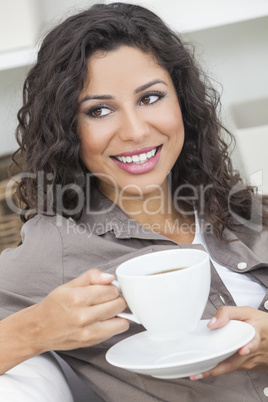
(245, 289)
(55, 250)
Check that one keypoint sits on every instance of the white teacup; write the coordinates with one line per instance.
(167, 304)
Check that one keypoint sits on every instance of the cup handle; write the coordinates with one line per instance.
(128, 316)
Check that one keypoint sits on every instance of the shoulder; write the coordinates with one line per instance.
(34, 268)
(50, 228)
(41, 227)
(39, 253)
(256, 239)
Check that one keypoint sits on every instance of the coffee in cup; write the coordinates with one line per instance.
(166, 291)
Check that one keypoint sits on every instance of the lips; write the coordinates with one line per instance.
(138, 157)
(138, 161)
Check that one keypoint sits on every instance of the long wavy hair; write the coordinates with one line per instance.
(47, 130)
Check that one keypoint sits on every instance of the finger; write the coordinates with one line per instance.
(101, 331)
(103, 293)
(108, 328)
(106, 311)
(100, 312)
(252, 346)
(93, 295)
(113, 326)
(246, 350)
(91, 277)
(93, 334)
(225, 367)
(227, 313)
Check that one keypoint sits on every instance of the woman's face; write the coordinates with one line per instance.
(130, 124)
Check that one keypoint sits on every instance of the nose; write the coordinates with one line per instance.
(133, 126)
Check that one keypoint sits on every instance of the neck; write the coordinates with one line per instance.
(156, 211)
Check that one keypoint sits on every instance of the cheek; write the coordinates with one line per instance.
(171, 123)
(87, 146)
(176, 122)
(90, 153)
(92, 143)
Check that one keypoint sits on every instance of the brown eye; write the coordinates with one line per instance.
(146, 100)
(96, 113)
(151, 98)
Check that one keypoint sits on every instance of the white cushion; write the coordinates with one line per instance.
(38, 379)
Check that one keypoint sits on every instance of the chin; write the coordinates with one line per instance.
(138, 187)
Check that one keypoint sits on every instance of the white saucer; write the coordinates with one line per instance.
(191, 354)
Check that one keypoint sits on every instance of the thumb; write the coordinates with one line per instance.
(91, 277)
(227, 313)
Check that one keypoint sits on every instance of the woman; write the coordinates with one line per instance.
(122, 142)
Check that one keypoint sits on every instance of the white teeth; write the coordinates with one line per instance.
(152, 153)
(143, 157)
(137, 158)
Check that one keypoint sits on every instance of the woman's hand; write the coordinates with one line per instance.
(254, 355)
(80, 313)
(77, 314)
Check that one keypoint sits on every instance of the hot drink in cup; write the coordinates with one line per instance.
(166, 291)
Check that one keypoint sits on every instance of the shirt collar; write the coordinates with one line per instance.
(101, 216)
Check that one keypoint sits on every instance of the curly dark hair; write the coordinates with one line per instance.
(47, 130)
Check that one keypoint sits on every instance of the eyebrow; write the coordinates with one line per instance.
(137, 90)
(99, 97)
(148, 85)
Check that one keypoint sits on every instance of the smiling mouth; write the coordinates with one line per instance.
(138, 158)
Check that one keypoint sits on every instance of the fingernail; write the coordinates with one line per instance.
(212, 321)
(247, 352)
(107, 276)
(197, 377)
